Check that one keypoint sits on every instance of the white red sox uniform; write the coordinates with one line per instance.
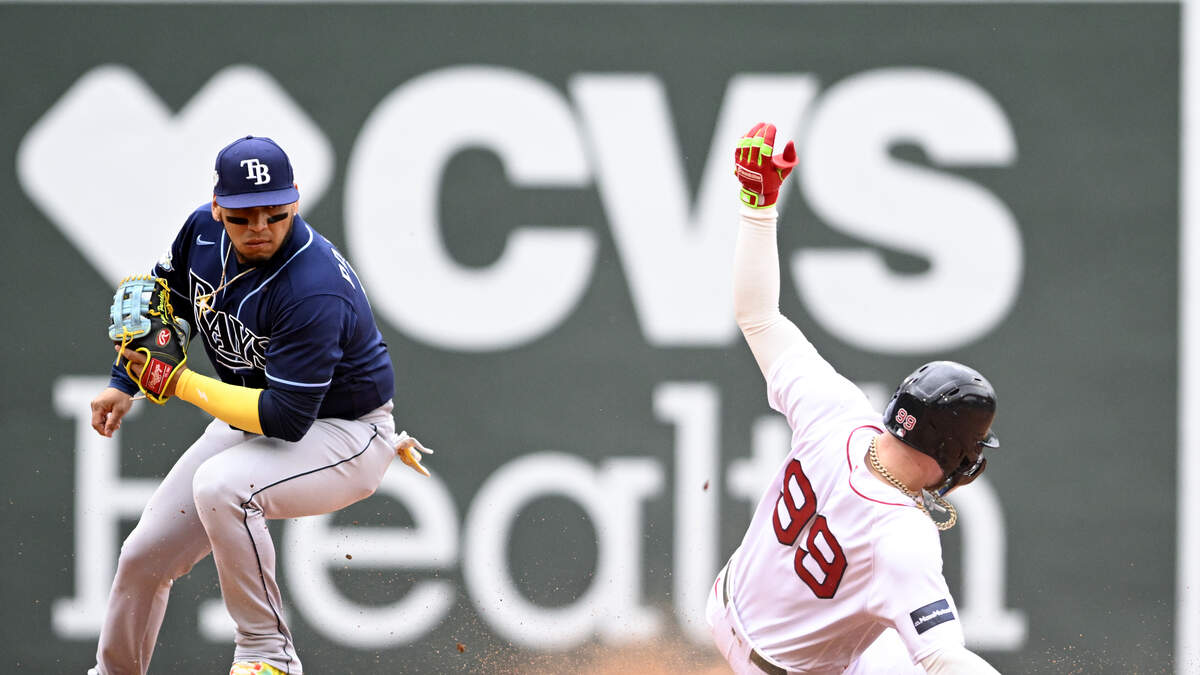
(832, 556)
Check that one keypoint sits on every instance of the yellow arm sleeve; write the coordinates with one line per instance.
(227, 402)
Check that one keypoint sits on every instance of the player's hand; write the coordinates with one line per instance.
(137, 361)
(760, 168)
(108, 408)
(409, 449)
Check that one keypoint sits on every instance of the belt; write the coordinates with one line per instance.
(756, 658)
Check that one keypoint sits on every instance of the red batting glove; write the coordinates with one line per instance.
(760, 169)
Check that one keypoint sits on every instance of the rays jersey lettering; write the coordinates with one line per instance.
(233, 345)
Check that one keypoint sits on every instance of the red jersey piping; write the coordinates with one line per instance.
(850, 466)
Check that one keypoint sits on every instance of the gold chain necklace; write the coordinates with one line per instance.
(204, 301)
(943, 525)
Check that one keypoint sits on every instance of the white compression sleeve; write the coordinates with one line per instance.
(756, 288)
(956, 661)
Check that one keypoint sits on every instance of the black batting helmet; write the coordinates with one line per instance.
(945, 410)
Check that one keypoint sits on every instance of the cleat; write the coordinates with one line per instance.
(254, 668)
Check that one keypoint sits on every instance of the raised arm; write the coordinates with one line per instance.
(756, 257)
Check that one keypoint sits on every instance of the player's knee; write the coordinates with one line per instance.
(135, 554)
(367, 490)
(212, 490)
(143, 559)
(366, 485)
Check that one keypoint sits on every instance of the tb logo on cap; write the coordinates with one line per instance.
(256, 171)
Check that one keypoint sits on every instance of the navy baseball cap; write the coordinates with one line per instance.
(254, 171)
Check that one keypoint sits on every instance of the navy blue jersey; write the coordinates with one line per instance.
(298, 326)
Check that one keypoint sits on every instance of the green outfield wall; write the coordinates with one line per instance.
(539, 200)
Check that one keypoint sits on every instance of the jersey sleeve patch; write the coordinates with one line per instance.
(931, 615)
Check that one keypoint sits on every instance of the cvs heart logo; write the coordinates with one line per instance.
(118, 173)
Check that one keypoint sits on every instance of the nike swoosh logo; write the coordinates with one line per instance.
(201, 242)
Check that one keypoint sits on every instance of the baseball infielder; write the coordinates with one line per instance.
(843, 544)
(302, 407)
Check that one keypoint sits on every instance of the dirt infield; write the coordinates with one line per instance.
(656, 658)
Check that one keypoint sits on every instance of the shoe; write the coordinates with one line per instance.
(253, 668)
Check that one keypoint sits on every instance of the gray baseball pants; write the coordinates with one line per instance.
(218, 498)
